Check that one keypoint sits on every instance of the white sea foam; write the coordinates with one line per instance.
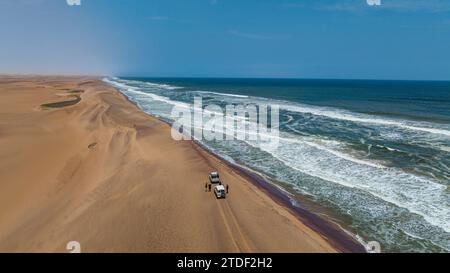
(326, 112)
(419, 195)
(148, 84)
(344, 156)
(163, 86)
(361, 118)
(443, 148)
(222, 94)
(325, 160)
(390, 149)
(128, 89)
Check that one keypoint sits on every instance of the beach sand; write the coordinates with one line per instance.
(97, 170)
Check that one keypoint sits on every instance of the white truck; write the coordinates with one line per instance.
(219, 191)
(214, 178)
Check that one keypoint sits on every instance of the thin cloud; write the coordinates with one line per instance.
(293, 5)
(349, 6)
(417, 5)
(248, 35)
(354, 6)
(158, 18)
(434, 6)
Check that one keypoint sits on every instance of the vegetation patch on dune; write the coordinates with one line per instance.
(92, 145)
(73, 93)
(77, 91)
(61, 104)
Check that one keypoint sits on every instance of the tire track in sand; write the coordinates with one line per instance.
(232, 226)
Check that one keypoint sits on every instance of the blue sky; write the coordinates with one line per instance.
(401, 39)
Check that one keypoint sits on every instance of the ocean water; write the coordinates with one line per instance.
(374, 153)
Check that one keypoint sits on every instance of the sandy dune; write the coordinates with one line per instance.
(109, 176)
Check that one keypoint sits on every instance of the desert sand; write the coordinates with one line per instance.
(79, 162)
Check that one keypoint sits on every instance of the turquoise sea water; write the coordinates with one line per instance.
(375, 153)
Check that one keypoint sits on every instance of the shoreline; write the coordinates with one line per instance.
(341, 239)
(106, 174)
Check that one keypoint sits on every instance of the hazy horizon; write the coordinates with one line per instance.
(213, 77)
